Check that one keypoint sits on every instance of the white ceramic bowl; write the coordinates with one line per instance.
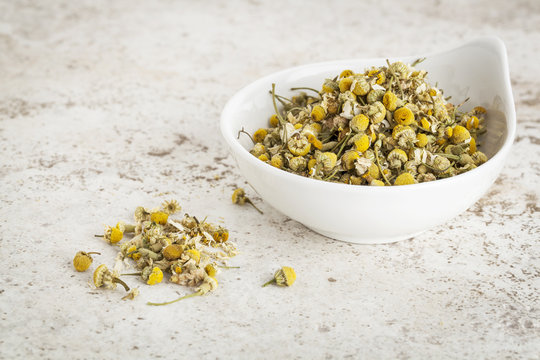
(372, 214)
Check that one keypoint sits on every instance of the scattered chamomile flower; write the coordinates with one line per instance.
(171, 207)
(103, 277)
(173, 252)
(83, 260)
(112, 235)
(221, 234)
(159, 217)
(132, 252)
(210, 270)
(141, 214)
(186, 251)
(239, 197)
(132, 294)
(155, 277)
(283, 277)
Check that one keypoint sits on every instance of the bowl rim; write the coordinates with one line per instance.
(499, 156)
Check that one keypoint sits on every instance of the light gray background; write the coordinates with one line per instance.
(108, 105)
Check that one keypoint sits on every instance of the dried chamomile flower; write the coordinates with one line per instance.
(103, 277)
(376, 112)
(259, 135)
(277, 161)
(112, 235)
(404, 116)
(210, 270)
(360, 86)
(155, 276)
(141, 214)
(132, 294)
(374, 96)
(399, 69)
(83, 260)
(173, 251)
(220, 235)
(393, 106)
(298, 163)
(376, 182)
(390, 101)
(283, 277)
(359, 123)
(345, 84)
(362, 143)
(404, 179)
(239, 197)
(159, 217)
(329, 86)
(348, 159)
(327, 160)
(171, 207)
(460, 134)
(396, 158)
(186, 251)
(299, 145)
(425, 124)
(440, 163)
(194, 254)
(312, 139)
(132, 252)
(346, 73)
(479, 158)
(472, 146)
(421, 140)
(318, 113)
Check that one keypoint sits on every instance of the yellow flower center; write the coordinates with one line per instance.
(156, 276)
(404, 116)
(404, 179)
(159, 217)
(116, 235)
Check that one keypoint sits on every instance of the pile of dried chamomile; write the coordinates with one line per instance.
(188, 250)
(383, 126)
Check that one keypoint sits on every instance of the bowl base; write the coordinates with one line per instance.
(363, 241)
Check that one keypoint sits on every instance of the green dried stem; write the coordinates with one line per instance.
(173, 301)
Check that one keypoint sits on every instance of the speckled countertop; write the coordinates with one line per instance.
(108, 105)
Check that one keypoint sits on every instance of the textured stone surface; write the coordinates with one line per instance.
(108, 105)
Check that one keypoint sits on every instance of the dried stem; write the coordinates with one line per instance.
(344, 143)
(118, 281)
(379, 165)
(449, 156)
(281, 120)
(242, 131)
(417, 61)
(331, 175)
(173, 301)
(306, 88)
(252, 204)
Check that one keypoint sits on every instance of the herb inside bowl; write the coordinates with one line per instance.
(384, 126)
